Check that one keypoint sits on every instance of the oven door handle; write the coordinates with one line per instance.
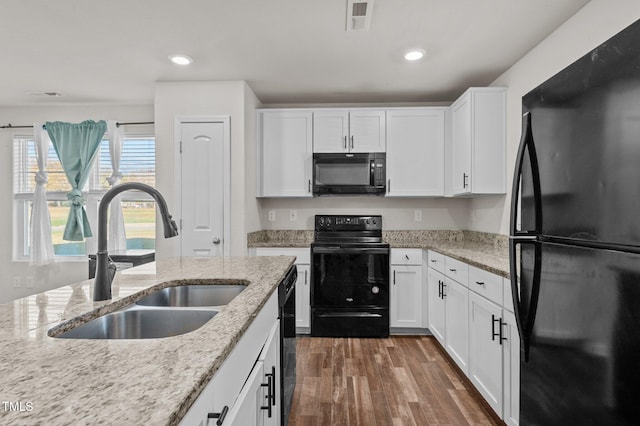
(349, 315)
(352, 250)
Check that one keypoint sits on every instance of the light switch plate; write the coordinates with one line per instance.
(293, 215)
(417, 215)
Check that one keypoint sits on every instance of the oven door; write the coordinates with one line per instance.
(350, 277)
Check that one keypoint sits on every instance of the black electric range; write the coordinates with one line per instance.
(349, 277)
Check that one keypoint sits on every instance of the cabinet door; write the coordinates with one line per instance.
(270, 357)
(331, 131)
(406, 296)
(461, 134)
(456, 323)
(485, 349)
(511, 370)
(303, 298)
(247, 409)
(415, 152)
(436, 306)
(367, 131)
(285, 151)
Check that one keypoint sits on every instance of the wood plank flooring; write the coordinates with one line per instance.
(403, 380)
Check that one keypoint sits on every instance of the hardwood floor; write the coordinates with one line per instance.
(403, 380)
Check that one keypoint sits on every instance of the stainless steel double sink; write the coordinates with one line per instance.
(167, 312)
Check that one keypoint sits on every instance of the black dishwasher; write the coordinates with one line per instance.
(287, 316)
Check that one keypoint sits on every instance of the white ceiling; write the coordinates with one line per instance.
(289, 51)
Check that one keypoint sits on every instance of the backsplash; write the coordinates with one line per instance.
(397, 214)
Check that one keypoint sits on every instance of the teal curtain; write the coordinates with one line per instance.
(77, 146)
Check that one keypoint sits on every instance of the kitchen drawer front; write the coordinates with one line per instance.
(457, 270)
(436, 261)
(303, 255)
(406, 256)
(486, 284)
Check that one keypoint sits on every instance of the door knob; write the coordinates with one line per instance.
(216, 240)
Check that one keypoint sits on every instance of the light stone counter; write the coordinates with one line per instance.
(122, 382)
(482, 250)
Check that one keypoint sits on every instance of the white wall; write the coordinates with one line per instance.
(62, 273)
(207, 98)
(397, 214)
(598, 21)
(253, 208)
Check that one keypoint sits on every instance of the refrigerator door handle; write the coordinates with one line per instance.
(526, 144)
(525, 324)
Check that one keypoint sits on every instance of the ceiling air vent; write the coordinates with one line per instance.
(359, 14)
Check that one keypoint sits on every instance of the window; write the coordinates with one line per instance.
(136, 164)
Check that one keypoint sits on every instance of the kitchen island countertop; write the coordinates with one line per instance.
(148, 381)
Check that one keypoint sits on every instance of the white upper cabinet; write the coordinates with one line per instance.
(478, 142)
(362, 130)
(331, 131)
(415, 152)
(284, 153)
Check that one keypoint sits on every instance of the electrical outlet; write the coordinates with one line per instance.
(16, 282)
(417, 215)
(293, 215)
(29, 282)
(272, 215)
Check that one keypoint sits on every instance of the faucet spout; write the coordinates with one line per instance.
(105, 270)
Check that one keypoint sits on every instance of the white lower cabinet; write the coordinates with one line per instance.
(485, 349)
(238, 382)
(303, 284)
(456, 322)
(448, 314)
(436, 305)
(405, 298)
(303, 299)
(258, 403)
(511, 370)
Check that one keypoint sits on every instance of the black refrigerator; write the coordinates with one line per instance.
(575, 241)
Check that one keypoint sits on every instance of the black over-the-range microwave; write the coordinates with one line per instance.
(349, 174)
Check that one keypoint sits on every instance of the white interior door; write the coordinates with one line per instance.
(202, 187)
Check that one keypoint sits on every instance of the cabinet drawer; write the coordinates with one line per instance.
(459, 271)
(302, 254)
(436, 261)
(406, 256)
(486, 284)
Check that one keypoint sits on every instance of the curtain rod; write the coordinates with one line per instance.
(10, 126)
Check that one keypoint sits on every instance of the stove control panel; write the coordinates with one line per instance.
(343, 222)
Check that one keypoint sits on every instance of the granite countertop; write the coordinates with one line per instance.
(150, 381)
(482, 250)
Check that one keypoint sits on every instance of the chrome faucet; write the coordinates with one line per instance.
(105, 269)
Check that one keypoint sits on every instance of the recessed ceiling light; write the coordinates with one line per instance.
(180, 59)
(414, 54)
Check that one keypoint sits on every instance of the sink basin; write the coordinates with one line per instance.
(187, 296)
(141, 324)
